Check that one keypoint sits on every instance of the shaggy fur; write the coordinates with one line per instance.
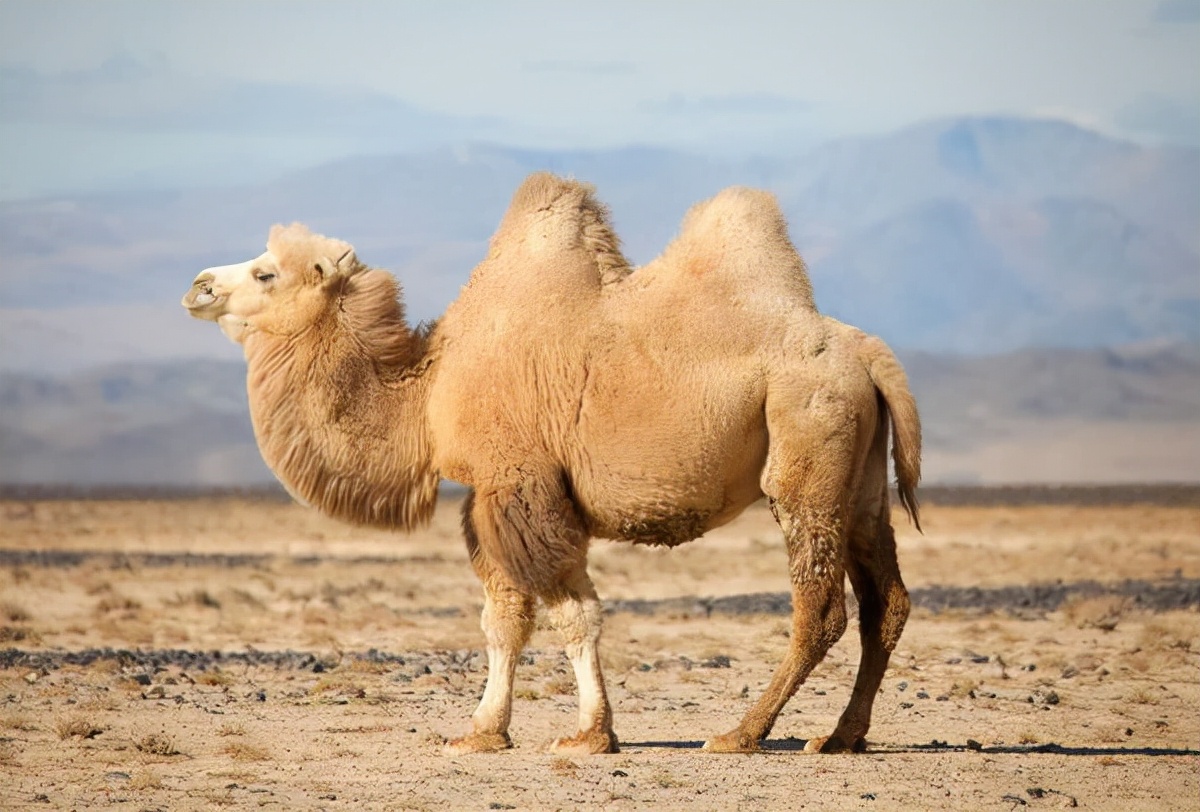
(579, 398)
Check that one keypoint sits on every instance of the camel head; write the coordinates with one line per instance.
(284, 291)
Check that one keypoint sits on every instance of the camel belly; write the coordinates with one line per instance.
(673, 491)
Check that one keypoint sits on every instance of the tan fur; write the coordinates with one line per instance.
(579, 398)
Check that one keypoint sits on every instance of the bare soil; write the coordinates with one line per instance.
(240, 652)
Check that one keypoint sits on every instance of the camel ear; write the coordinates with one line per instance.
(346, 265)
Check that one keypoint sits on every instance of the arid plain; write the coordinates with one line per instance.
(244, 652)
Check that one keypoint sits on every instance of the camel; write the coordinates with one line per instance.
(579, 398)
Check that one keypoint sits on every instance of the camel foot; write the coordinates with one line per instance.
(477, 743)
(835, 744)
(587, 743)
(732, 742)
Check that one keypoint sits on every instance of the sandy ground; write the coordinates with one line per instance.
(241, 653)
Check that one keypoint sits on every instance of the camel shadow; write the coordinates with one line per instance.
(793, 745)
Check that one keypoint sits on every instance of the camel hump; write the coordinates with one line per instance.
(742, 231)
(550, 214)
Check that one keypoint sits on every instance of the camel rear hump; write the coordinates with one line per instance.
(742, 235)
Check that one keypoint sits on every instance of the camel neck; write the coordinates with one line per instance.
(342, 431)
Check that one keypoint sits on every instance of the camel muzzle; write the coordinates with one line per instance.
(201, 297)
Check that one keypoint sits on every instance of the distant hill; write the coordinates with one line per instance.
(975, 235)
(1130, 414)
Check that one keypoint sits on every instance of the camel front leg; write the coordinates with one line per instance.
(507, 621)
(577, 615)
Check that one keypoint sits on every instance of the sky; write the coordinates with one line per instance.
(133, 93)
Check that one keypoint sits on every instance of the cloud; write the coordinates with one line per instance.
(1177, 11)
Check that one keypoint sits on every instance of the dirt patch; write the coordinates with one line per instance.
(243, 652)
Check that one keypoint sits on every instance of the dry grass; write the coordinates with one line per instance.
(17, 721)
(340, 683)
(218, 797)
(13, 612)
(19, 634)
(564, 768)
(78, 726)
(215, 677)
(145, 780)
(1142, 696)
(197, 597)
(117, 603)
(231, 729)
(240, 751)
(157, 744)
(962, 689)
(666, 780)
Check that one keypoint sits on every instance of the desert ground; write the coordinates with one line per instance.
(245, 652)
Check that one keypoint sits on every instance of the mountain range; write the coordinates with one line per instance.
(976, 235)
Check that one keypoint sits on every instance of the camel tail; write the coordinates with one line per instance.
(889, 378)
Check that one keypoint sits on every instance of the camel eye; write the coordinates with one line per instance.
(264, 276)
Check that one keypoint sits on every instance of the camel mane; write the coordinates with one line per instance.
(373, 312)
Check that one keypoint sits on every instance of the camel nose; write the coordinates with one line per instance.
(200, 293)
(204, 281)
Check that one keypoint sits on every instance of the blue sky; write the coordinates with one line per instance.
(104, 94)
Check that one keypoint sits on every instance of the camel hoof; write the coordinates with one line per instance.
(834, 744)
(733, 742)
(589, 743)
(477, 743)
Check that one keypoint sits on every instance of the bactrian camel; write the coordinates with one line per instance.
(578, 398)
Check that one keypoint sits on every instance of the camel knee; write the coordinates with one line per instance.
(578, 621)
(507, 620)
(823, 622)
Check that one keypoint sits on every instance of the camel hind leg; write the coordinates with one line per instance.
(813, 524)
(883, 606)
(883, 602)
